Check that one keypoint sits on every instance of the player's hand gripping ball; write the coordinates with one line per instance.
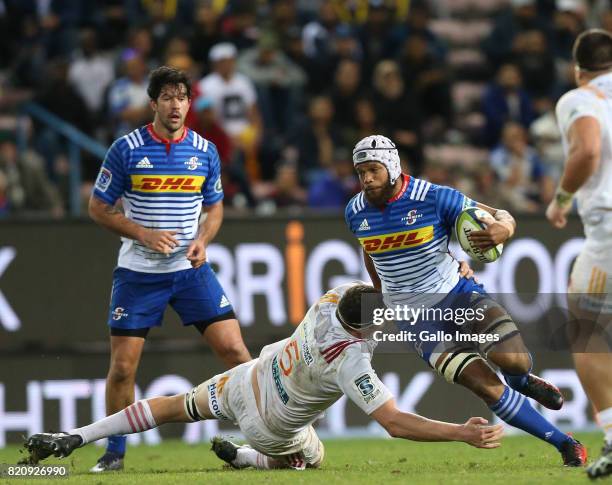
(471, 219)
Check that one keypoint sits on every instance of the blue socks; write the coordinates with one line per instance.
(116, 444)
(515, 409)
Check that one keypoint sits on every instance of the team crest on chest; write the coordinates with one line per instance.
(193, 163)
(411, 217)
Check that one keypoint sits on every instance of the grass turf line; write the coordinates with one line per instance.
(521, 459)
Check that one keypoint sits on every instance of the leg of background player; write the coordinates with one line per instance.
(225, 339)
(593, 361)
(125, 357)
(588, 335)
(509, 405)
(595, 373)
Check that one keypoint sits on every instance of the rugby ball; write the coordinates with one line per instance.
(468, 221)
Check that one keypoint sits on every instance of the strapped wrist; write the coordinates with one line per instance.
(563, 198)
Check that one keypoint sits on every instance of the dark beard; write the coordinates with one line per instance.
(171, 131)
(380, 200)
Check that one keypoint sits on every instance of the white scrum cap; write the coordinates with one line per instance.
(378, 148)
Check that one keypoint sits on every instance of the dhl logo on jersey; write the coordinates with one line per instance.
(397, 240)
(167, 183)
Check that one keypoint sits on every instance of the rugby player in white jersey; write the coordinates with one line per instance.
(276, 397)
(585, 120)
(404, 225)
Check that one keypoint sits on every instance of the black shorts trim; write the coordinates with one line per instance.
(203, 324)
(129, 332)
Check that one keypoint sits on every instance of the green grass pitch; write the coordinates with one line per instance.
(521, 459)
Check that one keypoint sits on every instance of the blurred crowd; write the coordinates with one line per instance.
(285, 88)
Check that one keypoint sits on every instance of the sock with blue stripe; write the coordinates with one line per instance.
(515, 409)
(117, 444)
(518, 382)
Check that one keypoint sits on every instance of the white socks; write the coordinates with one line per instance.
(133, 419)
(605, 421)
(247, 456)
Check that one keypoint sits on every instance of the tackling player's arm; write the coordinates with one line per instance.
(500, 227)
(359, 382)
(584, 140)
(418, 428)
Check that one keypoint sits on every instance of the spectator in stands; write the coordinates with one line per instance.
(91, 73)
(235, 184)
(345, 92)
(206, 33)
(520, 17)
(140, 41)
(547, 140)
(279, 83)
(426, 77)
(327, 41)
(345, 45)
(162, 18)
(376, 36)
(364, 122)
(335, 186)
(294, 49)
(128, 100)
(316, 138)
(283, 17)
(24, 185)
(177, 45)
(568, 22)
(4, 195)
(505, 100)
(522, 175)
(318, 35)
(239, 25)
(112, 25)
(287, 191)
(234, 99)
(398, 113)
(418, 24)
(532, 55)
(206, 124)
(60, 97)
(606, 20)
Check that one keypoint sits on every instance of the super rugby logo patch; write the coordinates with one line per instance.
(366, 388)
(104, 179)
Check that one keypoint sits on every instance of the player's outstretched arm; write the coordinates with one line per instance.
(418, 428)
(111, 218)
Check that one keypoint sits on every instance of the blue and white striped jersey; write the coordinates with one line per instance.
(408, 239)
(162, 185)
